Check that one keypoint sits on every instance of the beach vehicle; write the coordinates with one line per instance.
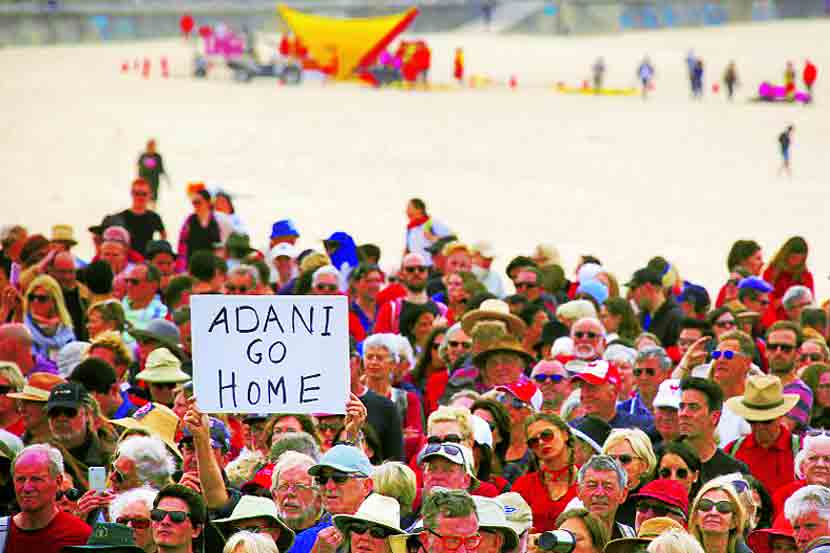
(245, 69)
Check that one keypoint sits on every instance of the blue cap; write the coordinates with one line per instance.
(220, 438)
(285, 227)
(595, 289)
(344, 458)
(694, 294)
(755, 283)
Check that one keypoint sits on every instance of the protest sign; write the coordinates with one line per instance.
(270, 354)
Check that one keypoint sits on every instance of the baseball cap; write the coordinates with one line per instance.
(595, 289)
(220, 438)
(117, 234)
(454, 453)
(526, 391)
(599, 372)
(284, 227)
(755, 283)
(670, 492)
(668, 394)
(156, 247)
(644, 276)
(70, 394)
(344, 458)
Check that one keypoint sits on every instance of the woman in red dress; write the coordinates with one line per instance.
(548, 489)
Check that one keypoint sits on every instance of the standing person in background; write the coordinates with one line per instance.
(789, 80)
(598, 72)
(458, 66)
(421, 229)
(730, 79)
(141, 222)
(151, 167)
(809, 77)
(787, 268)
(785, 141)
(697, 79)
(200, 231)
(645, 72)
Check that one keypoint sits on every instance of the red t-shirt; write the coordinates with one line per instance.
(64, 530)
(545, 511)
(17, 428)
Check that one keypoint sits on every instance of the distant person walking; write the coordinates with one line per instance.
(645, 72)
(598, 72)
(809, 77)
(458, 66)
(151, 168)
(691, 61)
(785, 141)
(730, 79)
(697, 79)
(789, 80)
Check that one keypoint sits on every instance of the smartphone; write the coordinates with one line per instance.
(97, 477)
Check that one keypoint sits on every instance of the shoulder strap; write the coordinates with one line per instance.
(737, 445)
(4, 532)
(795, 443)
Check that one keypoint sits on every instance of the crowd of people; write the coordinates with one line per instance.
(575, 412)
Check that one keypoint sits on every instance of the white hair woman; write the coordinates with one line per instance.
(142, 461)
(248, 542)
(674, 541)
(631, 447)
(132, 508)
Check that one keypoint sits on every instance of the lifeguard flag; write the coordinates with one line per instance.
(357, 41)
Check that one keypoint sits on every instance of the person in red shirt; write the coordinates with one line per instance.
(549, 489)
(809, 77)
(41, 526)
(769, 451)
(787, 268)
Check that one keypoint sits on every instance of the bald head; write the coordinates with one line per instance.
(411, 259)
(62, 269)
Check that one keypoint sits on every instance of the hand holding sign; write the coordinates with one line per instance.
(355, 417)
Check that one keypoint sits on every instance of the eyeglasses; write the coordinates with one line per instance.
(649, 371)
(231, 288)
(449, 438)
(67, 412)
(377, 532)
(723, 507)
(40, 298)
(326, 287)
(137, 523)
(6, 389)
(451, 543)
(132, 281)
(415, 269)
(682, 474)
(625, 459)
(724, 324)
(288, 486)
(554, 378)
(338, 477)
(523, 285)
(509, 400)
(658, 509)
(726, 354)
(456, 344)
(176, 517)
(72, 494)
(582, 334)
(546, 436)
(325, 427)
(786, 348)
(810, 357)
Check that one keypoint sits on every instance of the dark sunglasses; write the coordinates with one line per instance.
(377, 532)
(523, 285)
(658, 509)
(326, 287)
(137, 523)
(625, 459)
(810, 357)
(582, 334)
(449, 438)
(176, 517)
(679, 473)
(329, 427)
(786, 348)
(415, 269)
(39, 298)
(455, 344)
(723, 507)
(338, 477)
(6, 389)
(554, 378)
(166, 385)
(727, 354)
(232, 288)
(67, 412)
(72, 494)
(546, 436)
(733, 281)
(649, 371)
(447, 448)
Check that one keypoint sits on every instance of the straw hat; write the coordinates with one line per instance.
(377, 509)
(493, 310)
(649, 530)
(63, 233)
(38, 388)
(506, 344)
(162, 367)
(251, 506)
(763, 399)
(156, 419)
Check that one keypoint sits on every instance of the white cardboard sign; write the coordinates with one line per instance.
(270, 354)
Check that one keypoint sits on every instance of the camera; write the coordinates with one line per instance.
(559, 541)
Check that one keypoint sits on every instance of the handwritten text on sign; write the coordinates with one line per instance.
(270, 354)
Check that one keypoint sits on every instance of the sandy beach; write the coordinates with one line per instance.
(617, 177)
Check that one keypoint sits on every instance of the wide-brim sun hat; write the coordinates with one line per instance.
(162, 367)
(157, 420)
(506, 344)
(763, 399)
(649, 530)
(493, 309)
(376, 509)
(250, 506)
(491, 517)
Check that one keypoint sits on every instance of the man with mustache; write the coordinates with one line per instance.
(588, 337)
(601, 486)
(298, 498)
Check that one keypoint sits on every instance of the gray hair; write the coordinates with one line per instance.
(398, 481)
(403, 349)
(52, 454)
(618, 352)
(251, 543)
(445, 341)
(154, 465)
(290, 460)
(245, 271)
(809, 499)
(796, 293)
(295, 441)
(655, 352)
(810, 443)
(145, 495)
(322, 271)
(603, 463)
(381, 341)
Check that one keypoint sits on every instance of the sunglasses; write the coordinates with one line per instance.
(733, 281)
(288, 486)
(377, 532)
(231, 288)
(810, 357)
(165, 385)
(447, 448)
(39, 298)
(723, 507)
(455, 344)
(449, 438)
(176, 517)
(72, 494)
(338, 477)
(509, 400)
(582, 334)
(786, 348)
(625, 459)
(326, 287)
(546, 436)
(726, 354)
(649, 371)
(523, 285)
(137, 523)
(329, 427)
(658, 509)
(451, 543)
(554, 378)
(6, 389)
(415, 269)
(682, 474)
(67, 412)
(436, 345)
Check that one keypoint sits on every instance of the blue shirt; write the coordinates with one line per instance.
(637, 407)
(305, 539)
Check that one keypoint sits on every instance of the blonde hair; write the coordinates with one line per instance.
(248, 542)
(12, 372)
(396, 480)
(675, 541)
(458, 415)
(739, 513)
(54, 290)
(113, 341)
(640, 445)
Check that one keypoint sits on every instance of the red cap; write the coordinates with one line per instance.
(600, 372)
(760, 540)
(261, 478)
(526, 391)
(670, 492)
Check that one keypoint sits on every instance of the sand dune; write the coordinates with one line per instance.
(617, 177)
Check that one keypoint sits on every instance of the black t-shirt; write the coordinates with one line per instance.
(720, 464)
(150, 167)
(141, 227)
(384, 418)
